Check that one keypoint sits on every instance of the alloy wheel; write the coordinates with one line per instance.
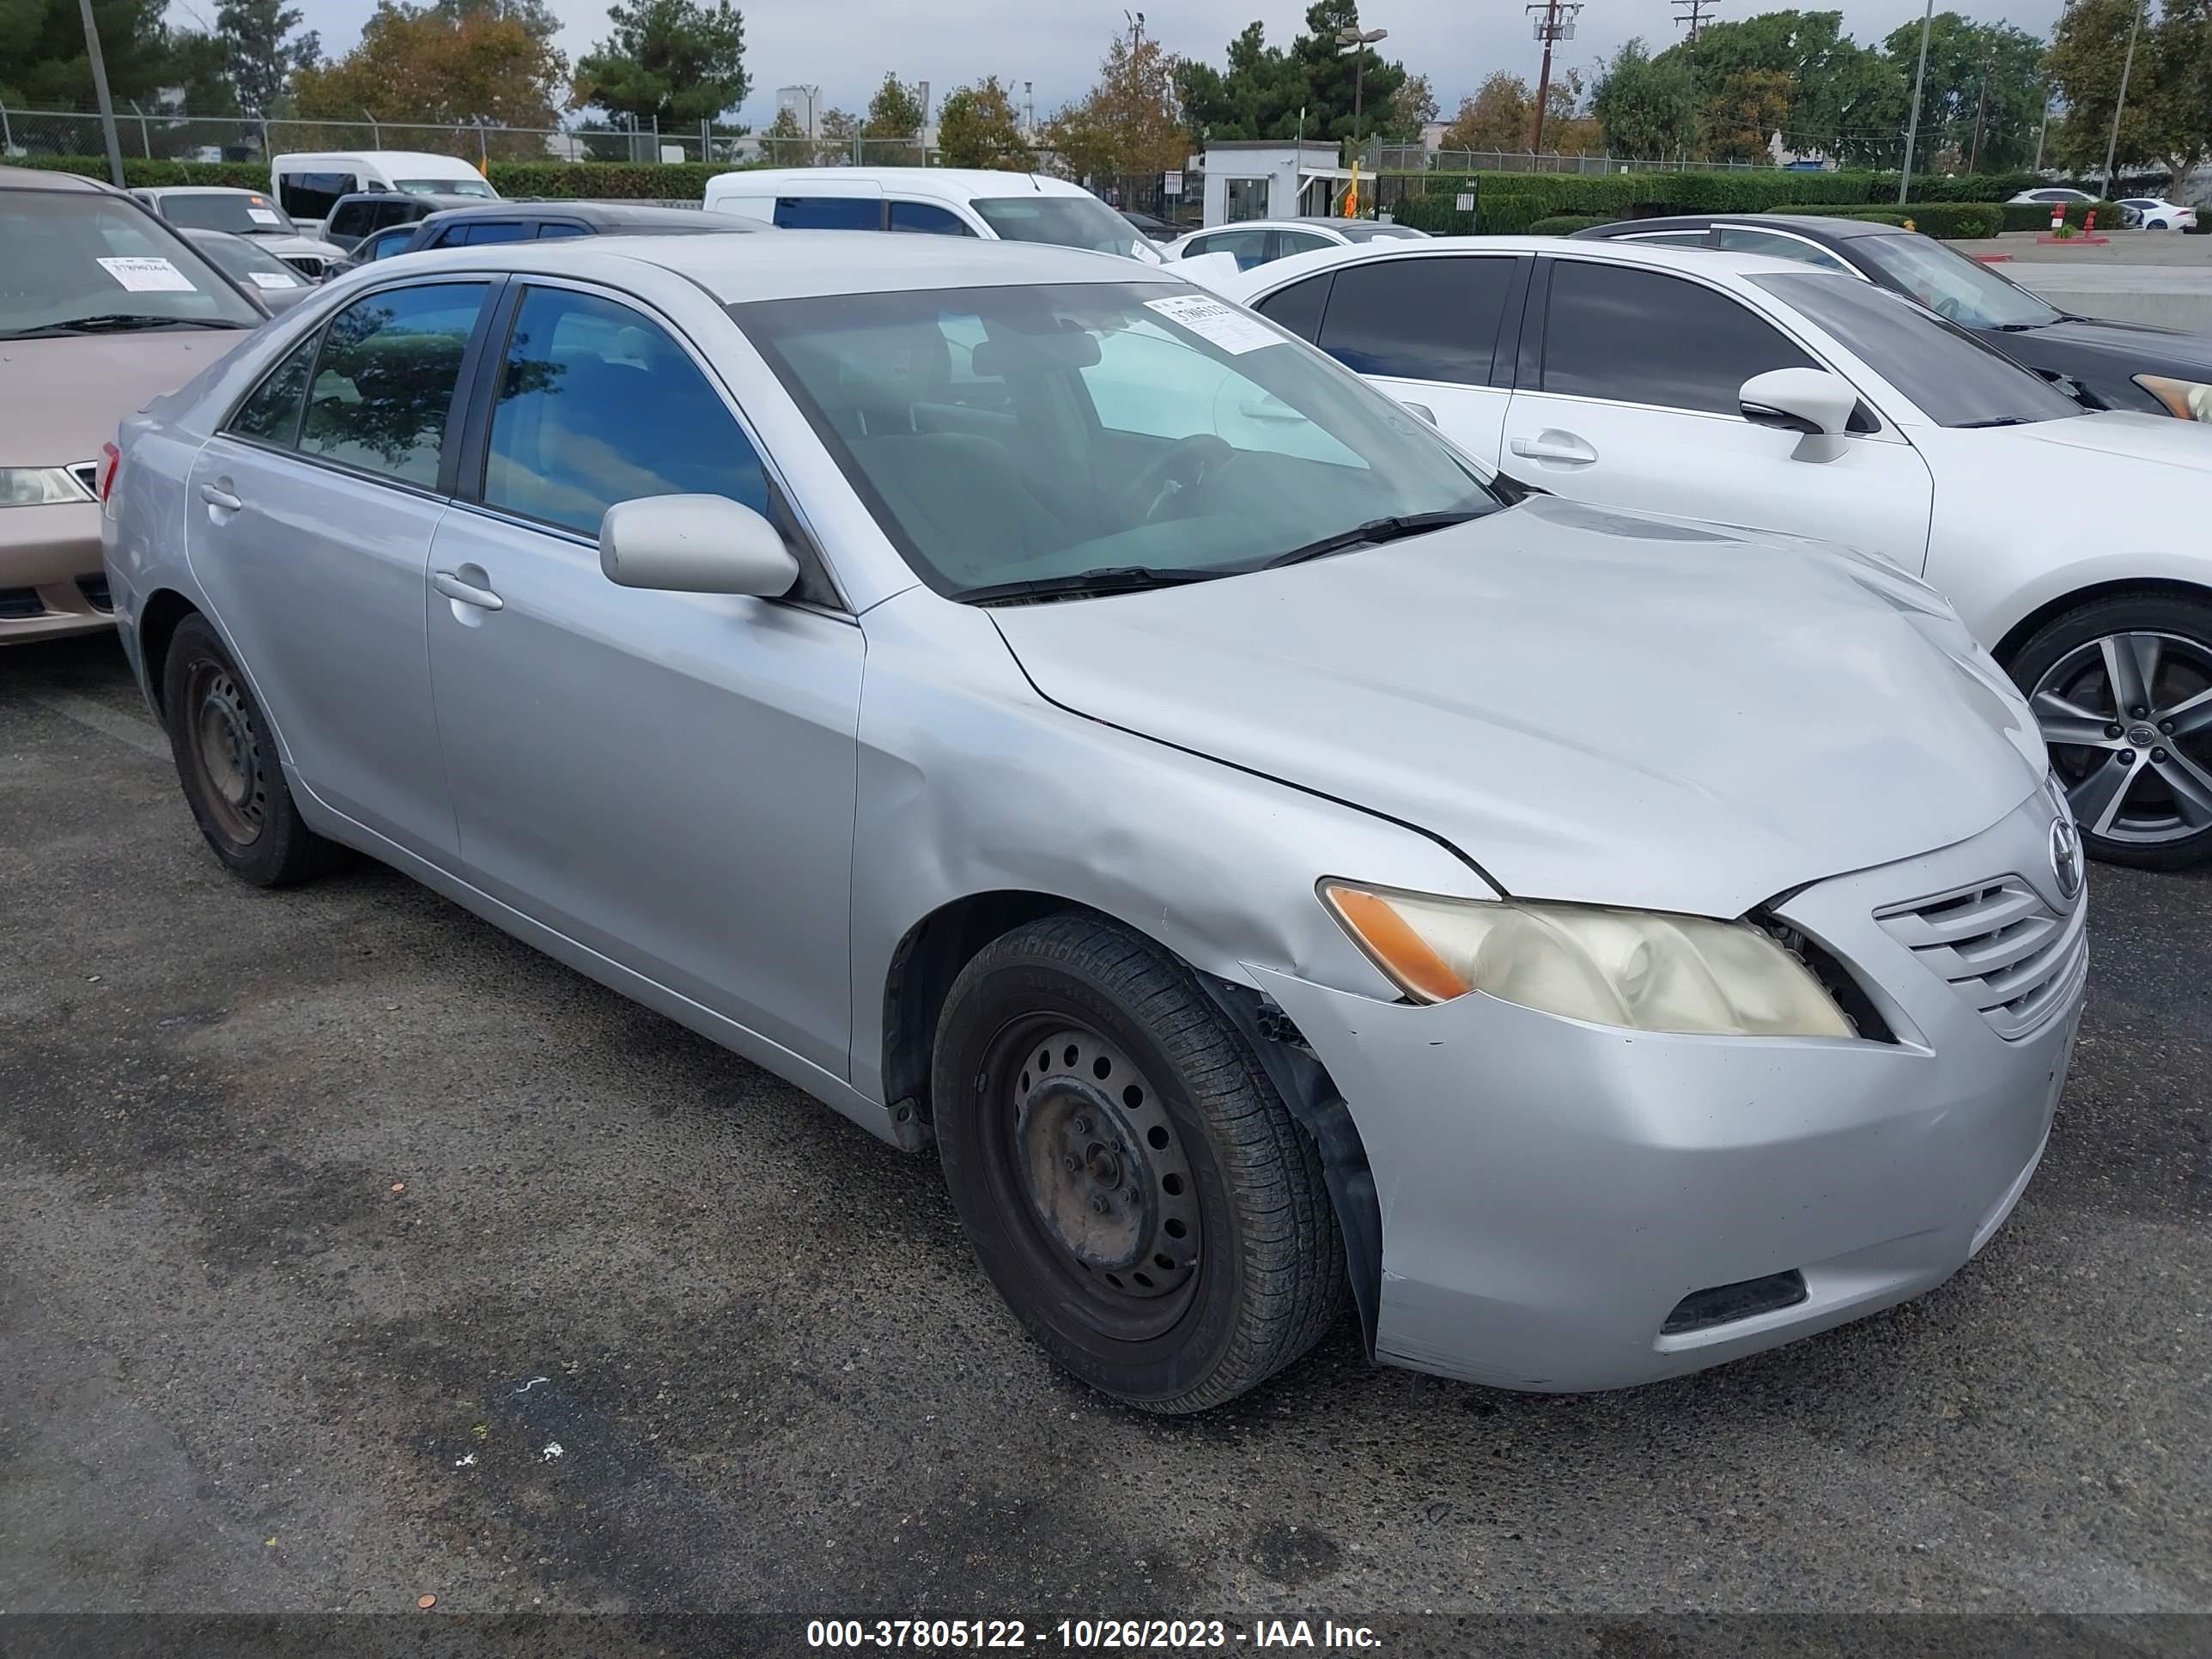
(2129, 719)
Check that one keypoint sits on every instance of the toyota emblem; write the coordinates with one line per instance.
(2066, 856)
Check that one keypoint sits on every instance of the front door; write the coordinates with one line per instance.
(1634, 403)
(666, 778)
(309, 526)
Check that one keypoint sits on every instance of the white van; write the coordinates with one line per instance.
(1003, 207)
(308, 184)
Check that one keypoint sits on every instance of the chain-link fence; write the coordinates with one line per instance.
(1412, 158)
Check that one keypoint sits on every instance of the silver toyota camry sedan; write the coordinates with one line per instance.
(1057, 718)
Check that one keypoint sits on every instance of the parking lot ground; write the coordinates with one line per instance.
(351, 1253)
(2121, 249)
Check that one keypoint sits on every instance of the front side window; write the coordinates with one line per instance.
(270, 415)
(597, 405)
(1958, 289)
(928, 219)
(81, 262)
(1640, 337)
(1144, 425)
(384, 384)
(830, 212)
(1420, 320)
(1065, 220)
(1742, 239)
(386, 243)
(1955, 378)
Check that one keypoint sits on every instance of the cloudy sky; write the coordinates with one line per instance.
(845, 46)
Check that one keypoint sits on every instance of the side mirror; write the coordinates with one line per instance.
(694, 544)
(1810, 401)
(1421, 410)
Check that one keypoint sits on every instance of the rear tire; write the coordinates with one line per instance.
(226, 762)
(1128, 1176)
(2120, 687)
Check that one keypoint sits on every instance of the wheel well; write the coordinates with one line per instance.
(157, 624)
(2027, 627)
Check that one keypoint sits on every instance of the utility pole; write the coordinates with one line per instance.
(2044, 127)
(1556, 23)
(1912, 127)
(108, 104)
(2111, 144)
(1693, 12)
(1982, 104)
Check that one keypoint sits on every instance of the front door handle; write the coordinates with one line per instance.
(462, 592)
(214, 497)
(1563, 448)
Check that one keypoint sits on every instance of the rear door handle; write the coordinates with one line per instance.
(1554, 445)
(222, 498)
(465, 592)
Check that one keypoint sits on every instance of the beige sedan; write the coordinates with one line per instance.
(102, 309)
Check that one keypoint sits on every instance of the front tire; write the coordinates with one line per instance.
(1128, 1176)
(2121, 688)
(226, 762)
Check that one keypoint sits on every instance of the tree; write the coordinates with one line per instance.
(1646, 106)
(835, 130)
(1130, 123)
(674, 62)
(1336, 80)
(42, 55)
(977, 127)
(895, 114)
(1744, 113)
(1259, 95)
(418, 64)
(2182, 49)
(2167, 119)
(260, 55)
(1844, 100)
(785, 141)
(1416, 104)
(1984, 75)
(1498, 117)
(1267, 92)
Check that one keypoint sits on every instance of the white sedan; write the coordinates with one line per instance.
(2156, 213)
(1260, 241)
(2050, 193)
(1759, 392)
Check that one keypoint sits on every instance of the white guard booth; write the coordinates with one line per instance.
(1267, 179)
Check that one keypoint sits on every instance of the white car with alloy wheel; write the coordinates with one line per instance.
(1756, 391)
(2156, 213)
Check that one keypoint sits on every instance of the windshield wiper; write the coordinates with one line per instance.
(1108, 579)
(1996, 419)
(1373, 531)
(121, 322)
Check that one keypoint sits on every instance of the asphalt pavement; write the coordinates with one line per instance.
(351, 1253)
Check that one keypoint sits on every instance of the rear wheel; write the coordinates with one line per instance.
(2121, 688)
(1128, 1178)
(226, 762)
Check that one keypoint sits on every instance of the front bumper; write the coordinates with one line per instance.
(51, 579)
(1551, 1191)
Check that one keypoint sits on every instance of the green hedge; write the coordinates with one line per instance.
(605, 181)
(1976, 187)
(2036, 216)
(1511, 203)
(141, 174)
(1945, 221)
(1565, 224)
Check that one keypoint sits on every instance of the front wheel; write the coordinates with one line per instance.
(2121, 688)
(1128, 1176)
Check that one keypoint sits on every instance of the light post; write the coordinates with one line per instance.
(1354, 43)
(1912, 127)
(99, 91)
(2127, 64)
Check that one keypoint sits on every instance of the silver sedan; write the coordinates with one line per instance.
(1055, 717)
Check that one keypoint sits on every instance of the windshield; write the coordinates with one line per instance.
(446, 187)
(240, 212)
(256, 267)
(1963, 290)
(1954, 377)
(1066, 220)
(1027, 433)
(68, 256)
(1380, 233)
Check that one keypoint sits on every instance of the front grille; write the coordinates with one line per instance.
(2000, 946)
(310, 265)
(94, 589)
(17, 603)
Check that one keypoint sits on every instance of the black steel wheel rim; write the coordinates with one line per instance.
(2129, 719)
(225, 745)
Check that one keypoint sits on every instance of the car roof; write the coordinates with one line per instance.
(444, 197)
(798, 263)
(1813, 225)
(600, 213)
(946, 184)
(48, 179)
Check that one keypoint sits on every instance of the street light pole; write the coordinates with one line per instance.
(99, 91)
(1353, 43)
(2112, 140)
(1919, 79)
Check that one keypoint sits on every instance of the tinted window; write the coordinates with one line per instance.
(272, 412)
(240, 212)
(311, 195)
(353, 218)
(556, 231)
(830, 212)
(1954, 379)
(1424, 319)
(1641, 338)
(384, 384)
(597, 405)
(1298, 307)
(1739, 239)
(928, 218)
(1671, 238)
(1288, 242)
(385, 243)
(475, 234)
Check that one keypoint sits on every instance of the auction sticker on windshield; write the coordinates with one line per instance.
(1210, 319)
(263, 216)
(150, 275)
(271, 279)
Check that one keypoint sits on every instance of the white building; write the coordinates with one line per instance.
(1267, 179)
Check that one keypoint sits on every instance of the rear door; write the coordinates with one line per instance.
(1628, 396)
(309, 523)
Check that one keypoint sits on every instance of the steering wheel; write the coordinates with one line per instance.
(1186, 464)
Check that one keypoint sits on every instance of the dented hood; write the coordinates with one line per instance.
(1589, 706)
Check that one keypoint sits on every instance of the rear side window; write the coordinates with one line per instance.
(353, 219)
(830, 212)
(1421, 320)
(480, 232)
(929, 219)
(384, 384)
(313, 195)
(383, 244)
(558, 230)
(597, 405)
(1298, 307)
(272, 413)
(1640, 337)
(1742, 239)
(1288, 242)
